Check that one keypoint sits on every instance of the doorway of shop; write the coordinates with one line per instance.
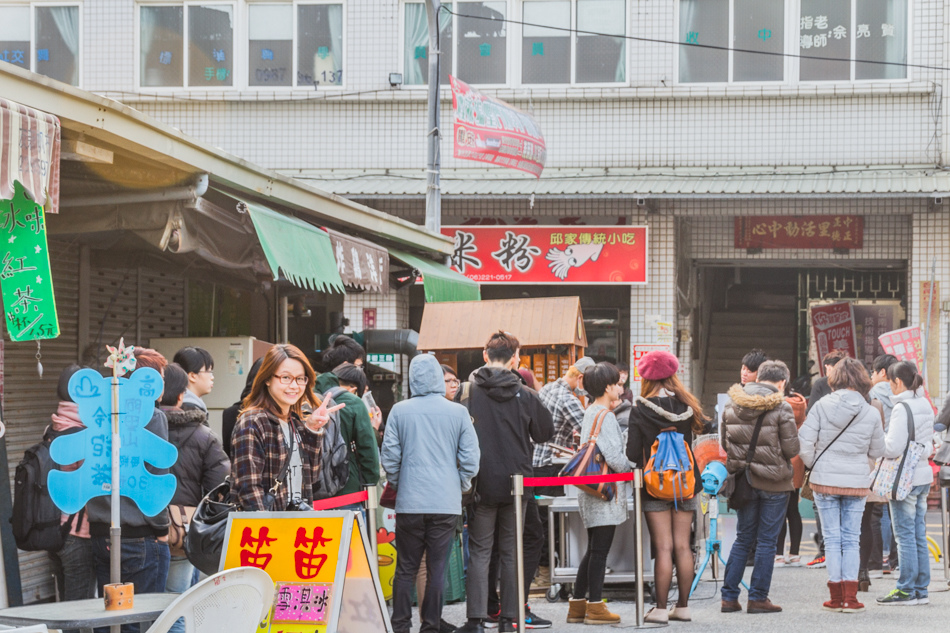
(768, 308)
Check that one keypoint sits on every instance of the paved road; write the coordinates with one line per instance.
(800, 591)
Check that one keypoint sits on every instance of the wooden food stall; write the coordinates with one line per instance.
(551, 332)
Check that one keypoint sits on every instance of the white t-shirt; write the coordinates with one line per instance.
(295, 472)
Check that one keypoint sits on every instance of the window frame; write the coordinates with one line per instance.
(293, 87)
(574, 36)
(792, 66)
(33, 23)
(238, 66)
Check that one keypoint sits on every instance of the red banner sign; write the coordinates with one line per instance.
(833, 328)
(550, 254)
(491, 131)
(799, 231)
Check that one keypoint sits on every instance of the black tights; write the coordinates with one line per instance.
(590, 573)
(670, 533)
(794, 519)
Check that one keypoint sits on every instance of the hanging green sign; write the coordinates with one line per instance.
(25, 277)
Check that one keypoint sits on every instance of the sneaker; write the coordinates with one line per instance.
(446, 627)
(779, 559)
(531, 621)
(875, 573)
(899, 598)
(506, 625)
(794, 561)
(923, 599)
(817, 563)
(491, 622)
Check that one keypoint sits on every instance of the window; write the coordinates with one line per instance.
(757, 25)
(53, 49)
(416, 47)
(190, 45)
(823, 41)
(482, 43)
(873, 30)
(597, 54)
(315, 60)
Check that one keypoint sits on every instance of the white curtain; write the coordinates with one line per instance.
(67, 22)
(147, 26)
(417, 34)
(896, 47)
(335, 18)
(688, 10)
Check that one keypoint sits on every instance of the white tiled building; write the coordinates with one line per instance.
(639, 128)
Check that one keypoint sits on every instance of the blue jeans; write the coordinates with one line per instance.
(144, 563)
(181, 575)
(841, 526)
(759, 523)
(910, 529)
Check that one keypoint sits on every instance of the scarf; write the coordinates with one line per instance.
(67, 417)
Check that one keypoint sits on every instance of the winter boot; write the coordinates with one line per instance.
(835, 603)
(849, 597)
(864, 580)
(597, 613)
(576, 611)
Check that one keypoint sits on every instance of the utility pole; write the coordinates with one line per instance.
(433, 158)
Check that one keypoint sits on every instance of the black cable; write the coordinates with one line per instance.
(652, 40)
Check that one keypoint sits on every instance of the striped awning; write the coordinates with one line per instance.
(29, 152)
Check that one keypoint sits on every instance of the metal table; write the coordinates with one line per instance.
(622, 561)
(86, 615)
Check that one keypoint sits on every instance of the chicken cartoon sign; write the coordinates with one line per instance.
(577, 254)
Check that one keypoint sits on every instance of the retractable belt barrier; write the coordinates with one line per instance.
(518, 483)
(372, 502)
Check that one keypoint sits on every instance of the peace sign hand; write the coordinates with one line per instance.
(321, 416)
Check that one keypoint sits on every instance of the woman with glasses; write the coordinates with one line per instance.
(276, 446)
(451, 382)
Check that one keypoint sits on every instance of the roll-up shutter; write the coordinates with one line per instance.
(30, 400)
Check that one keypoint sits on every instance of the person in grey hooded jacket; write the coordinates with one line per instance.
(430, 454)
(840, 434)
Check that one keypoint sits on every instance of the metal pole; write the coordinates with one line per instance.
(638, 523)
(433, 134)
(284, 325)
(946, 536)
(930, 306)
(371, 504)
(517, 489)
(115, 532)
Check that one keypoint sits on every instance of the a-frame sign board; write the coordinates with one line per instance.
(319, 562)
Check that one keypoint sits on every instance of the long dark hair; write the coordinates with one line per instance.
(678, 389)
(260, 397)
(906, 372)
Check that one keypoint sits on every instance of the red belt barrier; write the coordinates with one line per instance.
(344, 500)
(573, 481)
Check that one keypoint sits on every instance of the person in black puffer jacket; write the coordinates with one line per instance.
(201, 466)
(230, 415)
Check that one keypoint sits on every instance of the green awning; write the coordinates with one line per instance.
(300, 251)
(441, 283)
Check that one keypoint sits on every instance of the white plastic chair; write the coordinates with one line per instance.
(35, 628)
(235, 601)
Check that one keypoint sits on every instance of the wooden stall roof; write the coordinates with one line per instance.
(462, 325)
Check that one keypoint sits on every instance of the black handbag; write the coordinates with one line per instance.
(742, 491)
(205, 537)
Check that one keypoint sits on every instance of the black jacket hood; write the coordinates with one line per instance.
(500, 384)
(186, 417)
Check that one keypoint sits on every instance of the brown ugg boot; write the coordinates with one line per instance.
(597, 613)
(849, 597)
(576, 611)
(835, 588)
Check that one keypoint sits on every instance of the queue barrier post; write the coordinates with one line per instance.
(517, 490)
(372, 503)
(945, 545)
(638, 541)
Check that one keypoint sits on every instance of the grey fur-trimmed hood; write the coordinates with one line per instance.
(663, 410)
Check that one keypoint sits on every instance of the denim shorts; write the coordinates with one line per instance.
(661, 505)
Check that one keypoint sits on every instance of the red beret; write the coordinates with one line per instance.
(658, 365)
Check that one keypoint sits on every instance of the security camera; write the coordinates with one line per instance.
(938, 201)
(641, 202)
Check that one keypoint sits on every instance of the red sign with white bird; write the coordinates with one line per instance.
(550, 254)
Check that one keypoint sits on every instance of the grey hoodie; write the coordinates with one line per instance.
(845, 464)
(883, 394)
(430, 451)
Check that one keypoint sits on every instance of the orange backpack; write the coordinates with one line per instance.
(670, 471)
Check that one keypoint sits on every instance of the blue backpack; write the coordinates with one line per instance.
(670, 472)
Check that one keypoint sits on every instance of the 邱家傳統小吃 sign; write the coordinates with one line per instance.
(319, 562)
(799, 231)
(491, 131)
(25, 277)
(550, 254)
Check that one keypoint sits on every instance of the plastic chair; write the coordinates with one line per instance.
(35, 628)
(235, 600)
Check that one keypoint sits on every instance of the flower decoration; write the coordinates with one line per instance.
(121, 359)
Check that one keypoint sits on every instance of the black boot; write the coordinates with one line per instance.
(864, 581)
